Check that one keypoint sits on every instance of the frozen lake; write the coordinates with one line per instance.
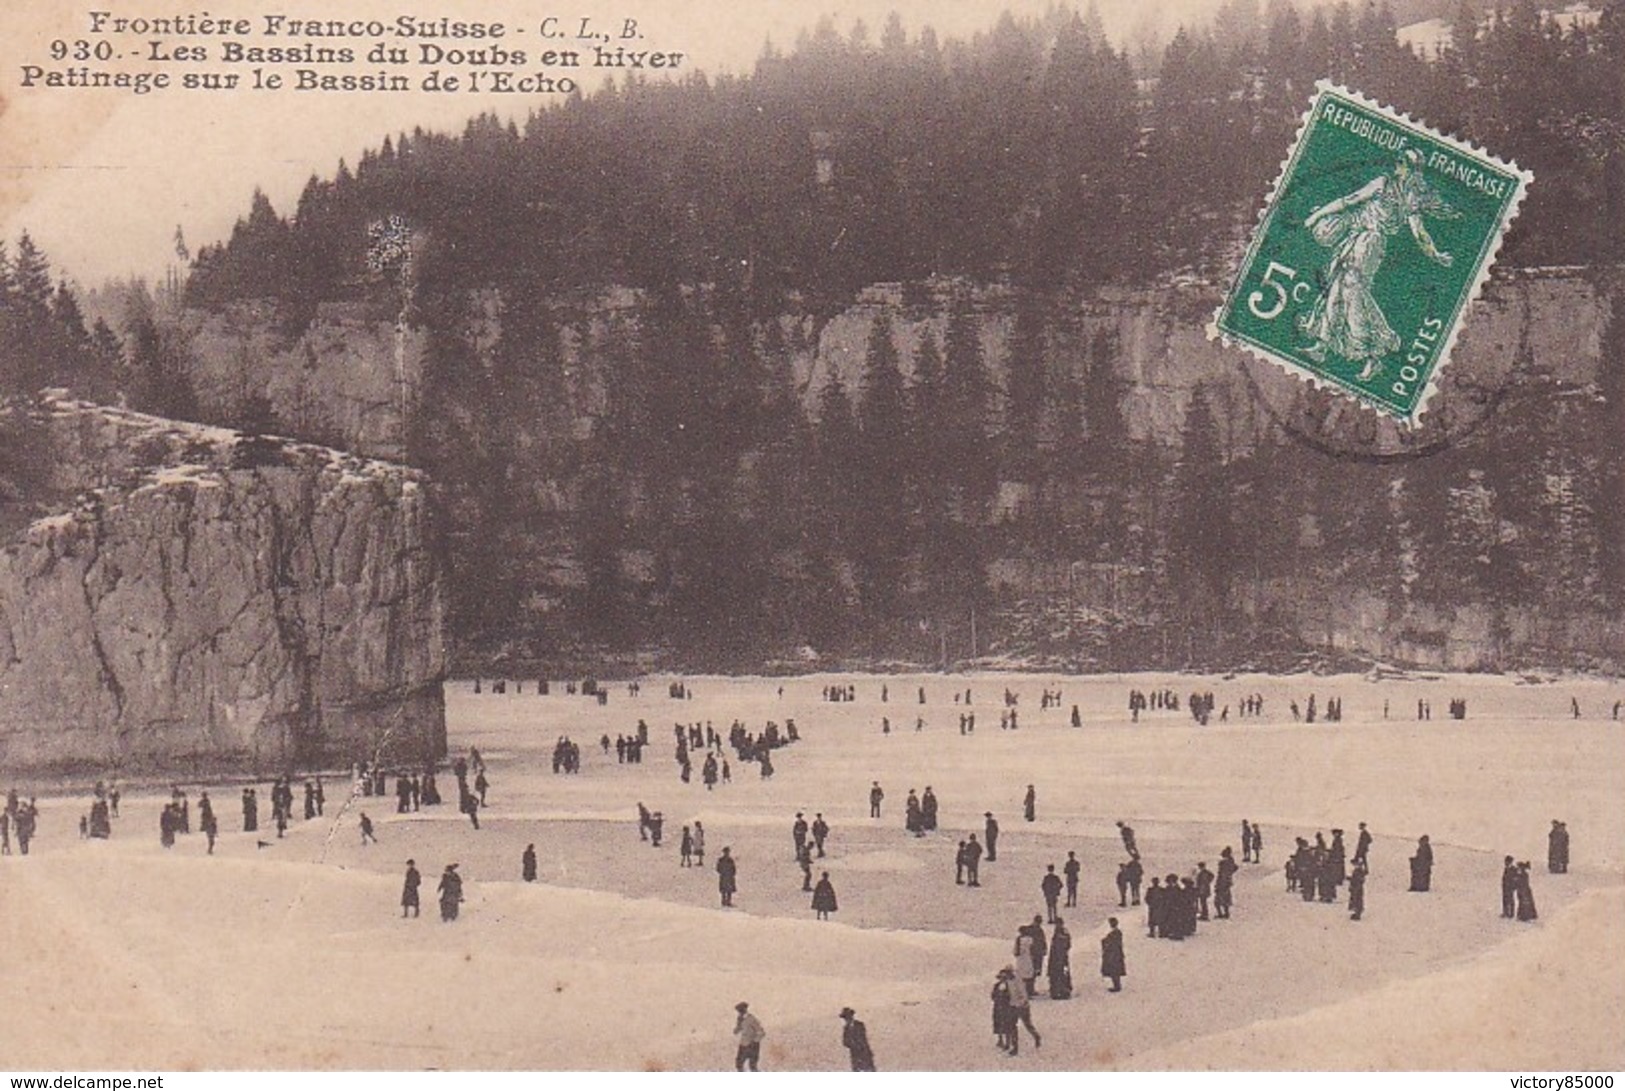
(294, 955)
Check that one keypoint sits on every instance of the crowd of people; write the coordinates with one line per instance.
(1318, 869)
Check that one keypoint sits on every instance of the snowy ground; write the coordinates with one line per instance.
(119, 954)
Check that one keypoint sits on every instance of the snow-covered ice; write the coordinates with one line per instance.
(121, 955)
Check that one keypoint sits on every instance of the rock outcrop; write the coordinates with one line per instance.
(212, 600)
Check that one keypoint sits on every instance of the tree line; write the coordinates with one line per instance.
(718, 500)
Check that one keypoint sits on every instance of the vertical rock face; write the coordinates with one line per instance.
(210, 600)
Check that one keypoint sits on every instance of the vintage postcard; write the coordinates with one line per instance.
(688, 536)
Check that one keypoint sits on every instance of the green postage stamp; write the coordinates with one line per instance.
(1377, 236)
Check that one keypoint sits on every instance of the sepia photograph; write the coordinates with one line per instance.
(678, 536)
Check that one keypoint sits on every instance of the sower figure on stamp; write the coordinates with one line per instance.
(1346, 319)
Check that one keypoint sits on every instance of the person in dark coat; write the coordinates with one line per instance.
(1422, 866)
(1525, 894)
(1246, 841)
(855, 1037)
(451, 893)
(875, 796)
(1122, 885)
(727, 872)
(1004, 1019)
(1029, 804)
(1557, 848)
(1357, 891)
(1050, 885)
(1258, 843)
(527, 864)
(1111, 957)
(823, 898)
(1040, 945)
(1509, 888)
(1224, 884)
(1154, 920)
(798, 834)
(251, 811)
(820, 830)
(409, 889)
(1362, 845)
(928, 809)
(1060, 962)
(992, 832)
(1072, 869)
(209, 825)
(973, 862)
(1204, 889)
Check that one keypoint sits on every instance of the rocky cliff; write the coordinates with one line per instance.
(200, 598)
(353, 380)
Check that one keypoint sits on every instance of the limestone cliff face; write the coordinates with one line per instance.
(353, 379)
(217, 601)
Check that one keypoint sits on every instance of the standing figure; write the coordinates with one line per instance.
(823, 899)
(992, 833)
(1112, 965)
(749, 1032)
(928, 809)
(973, 862)
(1224, 884)
(366, 829)
(1051, 888)
(875, 796)
(1258, 843)
(1362, 845)
(727, 872)
(208, 824)
(798, 835)
(699, 844)
(820, 830)
(527, 864)
(1136, 873)
(409, 889)
(1509, 888)
(451, 893)
(685, 849)
(1357, 891)
(1072, 869)
(1526, 895)
(1422, 866)
(1029, 804)
(1060, 962)
(1204, 890)
(1004, 1020)
(855, 1037)
(1557, 848)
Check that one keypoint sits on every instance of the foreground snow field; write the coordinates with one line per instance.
(120, 954)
